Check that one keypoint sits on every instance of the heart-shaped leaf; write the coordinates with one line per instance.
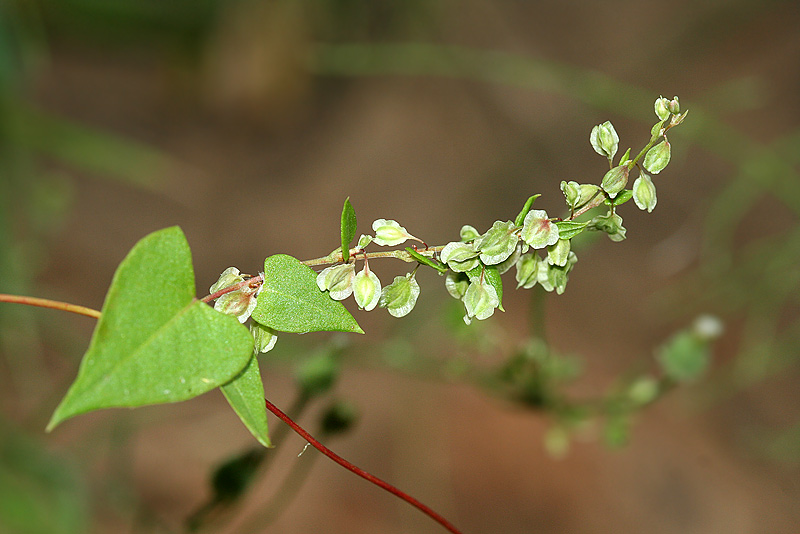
(290, 301)
(154, 343)
(245, 394)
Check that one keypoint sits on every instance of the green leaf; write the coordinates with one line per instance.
(348, 228)
(525, 209)
(290, 300)
(623, 196)
(569, 229)
(492, 276)
(245, 394)
(154, 342)
(425, 260)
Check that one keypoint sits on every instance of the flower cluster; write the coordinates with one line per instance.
(538, 246)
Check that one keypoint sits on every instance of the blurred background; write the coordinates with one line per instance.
(248, 122)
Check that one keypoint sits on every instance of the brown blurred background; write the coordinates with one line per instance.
(248, 122)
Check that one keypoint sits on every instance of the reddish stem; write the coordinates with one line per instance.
(360, 472)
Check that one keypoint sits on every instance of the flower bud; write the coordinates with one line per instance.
(390, 233)
(615, 180)
(674, 106)
(460, 257)
(363, 241)
(400, 296)
(366, 289)
(538, 230)
(662, 108)
(498, 243)
(657, 157)
(604, 139)
(264, 338)
(338, 280)
(677, 119)
(557, 254)
(644, 193)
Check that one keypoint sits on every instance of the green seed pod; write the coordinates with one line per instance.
(366, 289)
(468, 233)
(390, 233)
(644, 193)
(400, 296)
(538, 230)
(615, 180)
(527, 271)
(264, 338)
(338, 280)
(662, 108)
(480, 300)
(460, 257)
(657, 157)
(604, 139)
(498, 243)
(559, 253)
(456, 284)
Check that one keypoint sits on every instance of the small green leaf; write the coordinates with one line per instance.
(425, 260)
(625, 157)
(154, 343)
(492, 276)
(569, 229)
(623, 196)
(525, 209)
(245, 394)
(290, 300)
(348, 228)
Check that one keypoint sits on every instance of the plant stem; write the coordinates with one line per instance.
(327, 260)
(52, 304)
(360, 472)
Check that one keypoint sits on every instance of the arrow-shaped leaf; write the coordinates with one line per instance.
(245, 394)
(154, 343)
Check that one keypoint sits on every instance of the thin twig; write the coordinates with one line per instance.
(52, 304)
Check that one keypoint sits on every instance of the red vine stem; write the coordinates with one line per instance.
(52, 304)
(360, 472)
